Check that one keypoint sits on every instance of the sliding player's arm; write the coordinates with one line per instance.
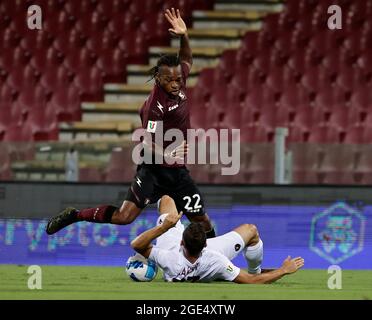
(142, 244)
(289, 266)
(179, 29)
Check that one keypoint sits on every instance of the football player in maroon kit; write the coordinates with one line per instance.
(165, 108)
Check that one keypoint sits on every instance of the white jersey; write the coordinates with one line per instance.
(211, 265)
(214, 262)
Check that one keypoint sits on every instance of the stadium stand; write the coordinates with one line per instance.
(255, 69)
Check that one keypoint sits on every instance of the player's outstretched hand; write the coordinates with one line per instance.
(178, 25)
(292, 265)
(171, 219)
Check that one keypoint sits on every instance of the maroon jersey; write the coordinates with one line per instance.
(173, 112)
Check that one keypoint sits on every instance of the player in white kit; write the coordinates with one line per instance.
(186, 254)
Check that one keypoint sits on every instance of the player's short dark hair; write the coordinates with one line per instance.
(194, 238)
(170, 60)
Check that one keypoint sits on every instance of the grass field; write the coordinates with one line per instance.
(60, 282)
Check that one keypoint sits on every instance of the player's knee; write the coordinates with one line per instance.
(165, 198)
(251, 229)
(166, 204)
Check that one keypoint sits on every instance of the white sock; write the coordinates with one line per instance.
(254, 256)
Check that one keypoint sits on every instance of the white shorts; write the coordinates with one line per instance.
(229, 244)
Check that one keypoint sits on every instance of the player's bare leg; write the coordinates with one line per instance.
(166, 205)
(253, 252)
(126, 214)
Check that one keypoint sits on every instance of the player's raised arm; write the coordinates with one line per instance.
(289, 266)
(179, 29)
(142, 244)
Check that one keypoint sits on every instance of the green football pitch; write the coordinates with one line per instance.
(61, 282)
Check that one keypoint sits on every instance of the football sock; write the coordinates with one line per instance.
(101, 214)
(211, 233)
(254, 256)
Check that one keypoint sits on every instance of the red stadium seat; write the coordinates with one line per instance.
(80, 8)
(324, 134)
(155, 30)
(47, 59)
(89, 82)
(113, 66)
(91, 24)
(7, 94)
(307, 117)
(34, 42)
(79, 59)
(101, 44)
(32, 98)
(53, 79)
(121, 167)
(361, 99)
(69, 41)
(255, 133)
(22, 77)
(43, 124)
(355, 135)
(66, 104)
(18, 133)
(90, 175)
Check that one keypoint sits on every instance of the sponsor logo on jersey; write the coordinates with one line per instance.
(237, 247)
(151, 126)
(160, 107)
(173, 107)
(229, 269)
(182, 95)
(138, 181)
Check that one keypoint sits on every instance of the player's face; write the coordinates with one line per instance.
(170, 79)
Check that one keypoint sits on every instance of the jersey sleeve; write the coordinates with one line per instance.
(226, 269)
(153, 116)
(185, 69)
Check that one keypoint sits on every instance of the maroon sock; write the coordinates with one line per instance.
(101, 214)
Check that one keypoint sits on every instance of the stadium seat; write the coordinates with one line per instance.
(255, 133)
(324, 134)
(112, 65)
(7, 94)
(18, 133)
(79, 59)
(54, 79)
(43, 124)
(102, 43)
(89, 83)
(355, 135)
(361, 99)
(66, 104)
(47, 59)
(32, 98)
(22, 77)
(70, 41)
(90, 175)
(121, 167)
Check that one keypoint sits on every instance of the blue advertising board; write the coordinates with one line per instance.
(323, 235)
